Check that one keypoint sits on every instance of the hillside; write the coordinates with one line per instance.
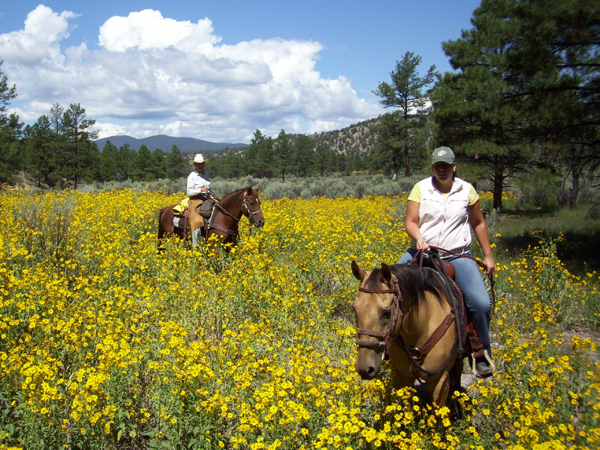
(165, 143)
(355, 138)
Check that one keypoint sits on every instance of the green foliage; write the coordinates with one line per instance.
(176, 164)
(9, 132)
(401, 135)
(330, 188)
(525, 89)
(539, 189)
(46, 228)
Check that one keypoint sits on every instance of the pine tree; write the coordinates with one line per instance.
(177, 165)
(141, 169)
(108, 162)
(10, 130)
(283, 151)
(527, 76)
(407, 93)
(82, 152)
(304, 156)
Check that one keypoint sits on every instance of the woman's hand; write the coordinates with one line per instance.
(422, 245)
(490, 264)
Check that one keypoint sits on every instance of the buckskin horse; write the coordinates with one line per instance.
(407, 312)
(224, 219)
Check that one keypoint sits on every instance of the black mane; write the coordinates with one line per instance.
(413, 281)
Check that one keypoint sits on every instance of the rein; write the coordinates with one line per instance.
(415, 354)
(420, 255)
(227, 213)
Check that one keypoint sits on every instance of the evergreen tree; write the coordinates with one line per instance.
(10, 130)
(324, 160)
(283, 152)
(304, 156)
(56, 118)
(265, 159)
(407, 94)
(231, 165)
(251, 155)
(108, 162)
(142, 165)
(159, 164)
(387, 153)
(527, 73)
(125, 162)
(41, 146)
(83, 157)
(177, 165)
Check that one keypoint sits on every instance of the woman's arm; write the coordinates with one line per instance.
(478, 224)
(411, 223)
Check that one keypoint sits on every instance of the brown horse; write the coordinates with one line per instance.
(224, 220)
(406, 311)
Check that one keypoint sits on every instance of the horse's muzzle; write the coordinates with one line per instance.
(368, 364)
(258, 222)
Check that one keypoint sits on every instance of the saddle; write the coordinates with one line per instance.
(470, 343)
(181, 217)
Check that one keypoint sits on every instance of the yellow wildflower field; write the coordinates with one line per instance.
(106, 343)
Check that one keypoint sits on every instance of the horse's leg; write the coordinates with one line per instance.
(161, 232)
(402, 375)
(440, 388)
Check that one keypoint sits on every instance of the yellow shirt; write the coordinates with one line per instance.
(415, 195)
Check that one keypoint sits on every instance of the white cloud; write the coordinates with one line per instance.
(154, 75)
(38, 41)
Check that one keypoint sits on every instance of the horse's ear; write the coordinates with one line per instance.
(358, 273)
(249, 190)
(386, 273)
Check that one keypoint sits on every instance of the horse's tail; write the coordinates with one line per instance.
(161, 230)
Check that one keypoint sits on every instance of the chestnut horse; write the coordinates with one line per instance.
(406, 311)
(224, 219)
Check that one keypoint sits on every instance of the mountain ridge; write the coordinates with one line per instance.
(165, 143)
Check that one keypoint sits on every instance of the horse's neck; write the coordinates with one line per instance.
(423, 319)
(233, 208)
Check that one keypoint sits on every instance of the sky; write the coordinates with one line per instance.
(218, 70)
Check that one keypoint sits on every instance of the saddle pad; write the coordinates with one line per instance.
(181, 221)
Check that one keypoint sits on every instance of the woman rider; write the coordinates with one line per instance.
(439, 212)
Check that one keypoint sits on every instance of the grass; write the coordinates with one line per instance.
(579, 249)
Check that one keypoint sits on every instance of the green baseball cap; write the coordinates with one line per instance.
(442, 154)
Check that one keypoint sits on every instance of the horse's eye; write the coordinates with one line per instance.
(386, 314)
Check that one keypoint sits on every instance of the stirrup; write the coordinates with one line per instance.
(488, 359)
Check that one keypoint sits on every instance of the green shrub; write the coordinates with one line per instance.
(540, 190)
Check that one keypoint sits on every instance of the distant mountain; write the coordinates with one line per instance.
(166, 143)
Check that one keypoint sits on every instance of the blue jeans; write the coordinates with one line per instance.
(476, 296)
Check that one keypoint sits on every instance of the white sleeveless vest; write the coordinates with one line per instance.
(445, 224)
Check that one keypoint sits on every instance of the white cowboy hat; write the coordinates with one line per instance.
(198, 159)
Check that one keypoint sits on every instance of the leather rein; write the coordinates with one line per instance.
(415, 354)
(251, 214)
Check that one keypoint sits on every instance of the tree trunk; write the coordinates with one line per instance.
(574, 191)
(406, 161)
(498, 184)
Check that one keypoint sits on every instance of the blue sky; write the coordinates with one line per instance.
(218, 70)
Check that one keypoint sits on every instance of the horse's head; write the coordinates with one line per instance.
(251, 207)
(375, 314)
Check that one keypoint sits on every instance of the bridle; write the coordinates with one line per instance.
(251, 214)
(386, 336)
(416, 355)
